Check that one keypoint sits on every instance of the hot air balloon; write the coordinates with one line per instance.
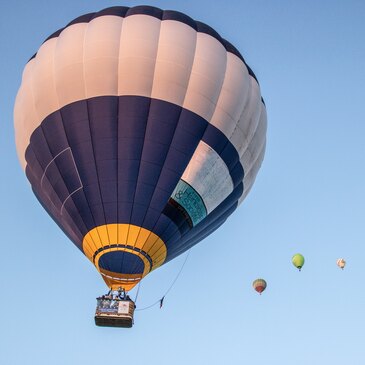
(259, 285)
(341, 263)
(140, 131)
(298, 261)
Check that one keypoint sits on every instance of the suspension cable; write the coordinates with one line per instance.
(168, 290)
(135, 299)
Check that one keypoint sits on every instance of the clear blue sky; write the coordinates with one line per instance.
(309, 197)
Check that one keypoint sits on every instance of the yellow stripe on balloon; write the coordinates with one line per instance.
(105, 237)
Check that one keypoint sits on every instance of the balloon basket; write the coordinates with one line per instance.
(114, 312)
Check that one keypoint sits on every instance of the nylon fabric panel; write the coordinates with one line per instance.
(101, 56)
(164, 118)
(132, 119)
(68, 64)
(251, 176)
(25, 115)
(103, 121)
(256, 144)
(76, 117)
(174, 61)
(43, 83)
(258, 124)
(224, 148)
(137, 55)
(248, 120)
(209, 176)
(254, 154)
(233, 97)
(206, 78)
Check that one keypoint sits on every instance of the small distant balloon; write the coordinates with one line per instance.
(259, 285)
(298, 261)
(341, 263)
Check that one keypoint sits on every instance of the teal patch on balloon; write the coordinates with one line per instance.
(191, 201)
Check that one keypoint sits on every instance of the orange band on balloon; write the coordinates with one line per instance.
(127, 238)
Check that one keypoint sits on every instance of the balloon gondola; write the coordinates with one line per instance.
(140, 131)
(115, 309)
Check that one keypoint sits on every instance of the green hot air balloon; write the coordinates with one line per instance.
(298, 261)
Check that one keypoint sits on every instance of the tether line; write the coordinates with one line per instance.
(168, 290)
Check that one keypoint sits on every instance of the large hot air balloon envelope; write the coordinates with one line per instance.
(298, 261)
(140, 131)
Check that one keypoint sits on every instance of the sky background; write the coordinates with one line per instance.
(309, 58)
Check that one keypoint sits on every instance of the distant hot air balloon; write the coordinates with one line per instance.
(341, 263)
(140, 131)
(298, 261)
(259, 285)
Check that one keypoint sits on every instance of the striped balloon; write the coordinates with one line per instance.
(140, 131)
(259, 285)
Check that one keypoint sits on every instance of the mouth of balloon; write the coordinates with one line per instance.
(121, 262)
(121, 268)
